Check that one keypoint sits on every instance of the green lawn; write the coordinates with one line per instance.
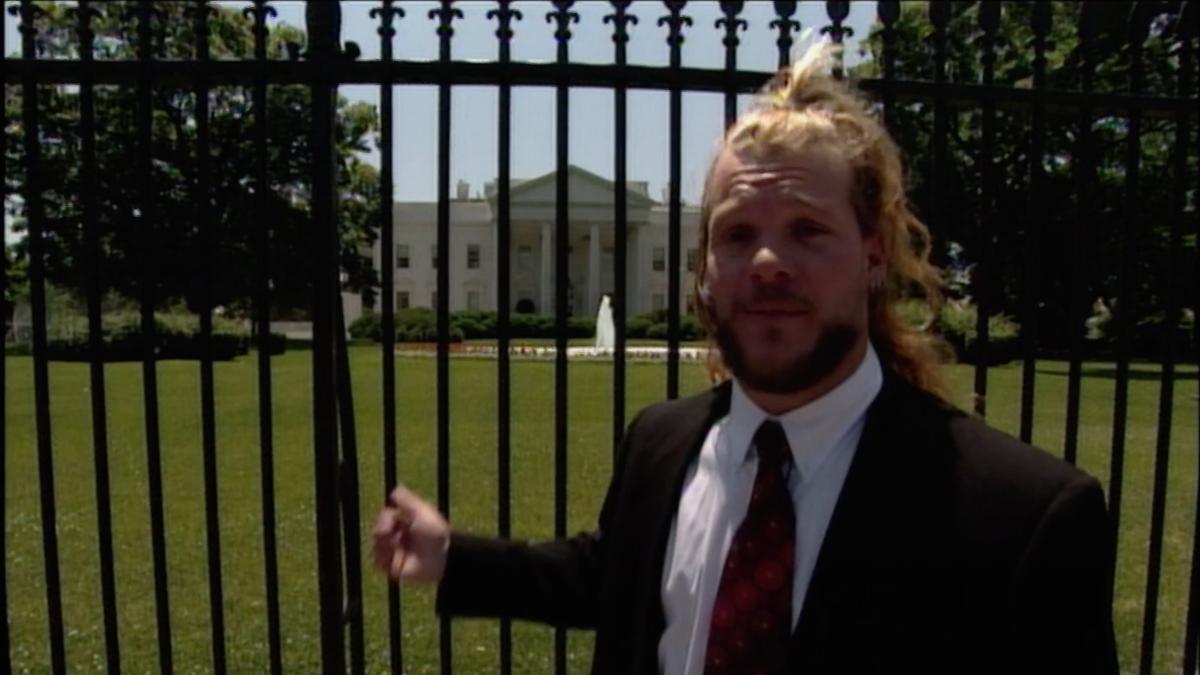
(473, 491)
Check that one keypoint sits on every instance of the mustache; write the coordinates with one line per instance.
(776, 298)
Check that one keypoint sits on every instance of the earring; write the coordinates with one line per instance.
(875, 284)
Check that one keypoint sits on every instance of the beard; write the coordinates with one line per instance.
(833, 344)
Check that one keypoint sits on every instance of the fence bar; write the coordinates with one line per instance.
(785, 24)
(939, 17)
(208, 423)
(87, 122)
(348, 493)
(1041, 16)
(1188, 23)
(388, 13)
(675, 21)
(41, 375)
(837, 11)
(504, 14)
(562, 16)
(1084, 165)
(445, 14)
(324, 28)
(731, 22)
(1166, 400)
(1138, 26)
(145, 14)
(620, 19)
(889, 13)
(989, 20)
(5, 658)
(262, 318)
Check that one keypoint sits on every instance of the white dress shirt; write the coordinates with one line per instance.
(823, 436)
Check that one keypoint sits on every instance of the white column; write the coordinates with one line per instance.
(547, 304)
(634, 272)
(593, 271)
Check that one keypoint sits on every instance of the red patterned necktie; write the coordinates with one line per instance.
(752, 616)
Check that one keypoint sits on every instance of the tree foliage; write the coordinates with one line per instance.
(1114, 226)
(169, 246)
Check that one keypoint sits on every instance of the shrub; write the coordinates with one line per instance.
(914, 312)
(176, 336)
(653, 326)
(532, 326)
(657, 331)
(276, 343)
(957, 324)
(636, 327)
(369, 325)
(581, 327)
(475, 324)
(689, 328)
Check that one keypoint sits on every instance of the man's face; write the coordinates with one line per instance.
(788, 267)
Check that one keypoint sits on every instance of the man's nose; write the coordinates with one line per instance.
(767, 266)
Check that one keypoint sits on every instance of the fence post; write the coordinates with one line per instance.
(323, 21)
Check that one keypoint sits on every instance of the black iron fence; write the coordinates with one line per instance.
(1067, 170)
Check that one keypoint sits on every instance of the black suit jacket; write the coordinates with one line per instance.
(953, 548)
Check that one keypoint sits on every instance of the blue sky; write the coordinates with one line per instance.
(473, 126)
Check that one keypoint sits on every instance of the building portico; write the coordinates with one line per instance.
(591, 244)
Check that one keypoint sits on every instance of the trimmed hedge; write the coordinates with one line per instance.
(176, 336)
(653, 326)
(419, 324)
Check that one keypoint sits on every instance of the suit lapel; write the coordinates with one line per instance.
(667, 463)
(841, 599)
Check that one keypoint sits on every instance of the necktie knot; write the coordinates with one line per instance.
(771, 444)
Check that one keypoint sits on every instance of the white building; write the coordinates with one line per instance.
(473, 254)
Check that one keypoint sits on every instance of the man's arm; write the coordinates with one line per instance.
(555, 582)
(1062, 590)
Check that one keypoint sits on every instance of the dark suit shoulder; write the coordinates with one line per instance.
(992, 461)
(998, 488)
(1006, 464)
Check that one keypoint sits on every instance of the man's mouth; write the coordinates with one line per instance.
(773, 309)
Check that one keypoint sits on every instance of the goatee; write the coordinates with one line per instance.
(834, 343)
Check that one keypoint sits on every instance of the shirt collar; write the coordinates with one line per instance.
(813, 430)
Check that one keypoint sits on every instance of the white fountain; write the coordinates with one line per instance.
(605, 333)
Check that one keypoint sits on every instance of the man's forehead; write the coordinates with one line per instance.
(811, 173)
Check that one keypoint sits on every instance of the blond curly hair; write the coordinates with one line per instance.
(804, 104)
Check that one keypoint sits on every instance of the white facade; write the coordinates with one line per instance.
(473, 254)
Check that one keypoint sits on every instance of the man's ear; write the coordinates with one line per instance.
(876, 262)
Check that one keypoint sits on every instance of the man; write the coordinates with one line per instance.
(823, 510)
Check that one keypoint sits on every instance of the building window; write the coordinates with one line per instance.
(433, 256)
(658, 302)
(473, 301)
(691, 260)
(659, 262)
(401, 299)
(402, 256)
(472, 256)
(524, 258)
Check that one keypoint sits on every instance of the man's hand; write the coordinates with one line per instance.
(411, 539)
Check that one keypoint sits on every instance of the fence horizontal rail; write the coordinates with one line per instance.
(219, 73)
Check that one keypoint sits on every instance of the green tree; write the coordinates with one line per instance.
(16, 283)
(170, 248)
(952, 205)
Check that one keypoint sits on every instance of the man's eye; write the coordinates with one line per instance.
(806, 228)
(737, 233)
